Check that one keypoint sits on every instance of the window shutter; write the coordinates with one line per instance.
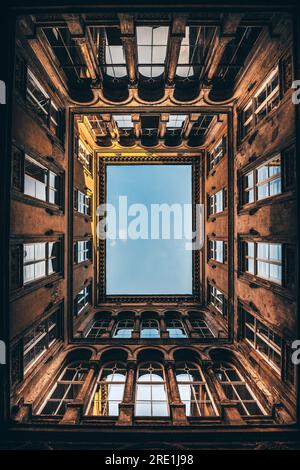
(225, 253)
(17, 173)
(75, 248)
(224, 198)
(289, 266)
(16, 269)
(76, 199)
(289, 160)
(239, 134)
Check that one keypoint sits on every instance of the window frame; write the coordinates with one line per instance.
(18, 345)
(150, 383)
(83, 203)
(84, 249)
(81, 366)
(100, 329)
(110, 383)
(19, 155)
(198, 383)
(267, 181)
(55, 125)
(171, 325)
(267, 341)
(150, 322)
(213, 250)
(117, 327)
(85, 295)
(252, 105)
(212, 202)
(217, 154)
(213, 300)
(234, 383)
(199, 328)
(84, 156)
(48, 257)
(255, 260)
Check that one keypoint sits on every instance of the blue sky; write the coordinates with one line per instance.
(145, 267)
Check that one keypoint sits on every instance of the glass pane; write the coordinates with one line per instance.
(160, 409)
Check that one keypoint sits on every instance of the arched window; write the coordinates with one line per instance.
(175, 328)
(151, 394)
(109, 390)
(65, 390)
(237, 390)
(150, 329)
(202, 328)
(124, 329)
(194, 391)
(98, 328)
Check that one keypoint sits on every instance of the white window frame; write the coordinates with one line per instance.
(256, 334)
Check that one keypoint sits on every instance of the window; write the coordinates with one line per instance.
(151, 393)
(40, 338)
(193, 50)
(217, 202)
(266, 99)
(217, 299)
(97, 329)
(83, 203)
(150, 329)
(85, 157)
(43, 105)
(82, 300)
(83, 251)
(263, 340)
(152, 49)
(237, 391)
(217, 250)
(123, 121)
(109, 390)
(65, 390)
(202, 328)
(40, 260)
(124, 329)
(216, 155)
(114, 64)
(263, 260)
(176, 123)
(263, 182)
(40, 182)
(175, 328)
(194, 391)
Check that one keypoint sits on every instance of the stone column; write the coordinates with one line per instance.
(162, 326)
(109, 330)
(126, 408)
(137, 326)
(177, 408)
